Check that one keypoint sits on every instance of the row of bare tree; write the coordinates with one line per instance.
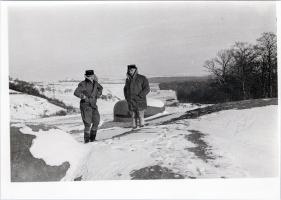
(247, 70)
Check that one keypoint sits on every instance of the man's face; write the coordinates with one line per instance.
(132, 71)
(91, 77)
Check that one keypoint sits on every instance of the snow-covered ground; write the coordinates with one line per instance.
(225, 144)
(248, 139)
(234, 144)
(25, 107)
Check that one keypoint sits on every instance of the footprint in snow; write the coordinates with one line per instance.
(133, 149)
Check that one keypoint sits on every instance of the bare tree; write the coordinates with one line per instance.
(246, 71)
(267, 49)
(244, 57)
(220, 65)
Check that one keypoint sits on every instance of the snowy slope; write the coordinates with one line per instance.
(226, 144)
(23, 107)
(248, 138)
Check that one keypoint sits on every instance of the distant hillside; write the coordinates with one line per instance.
(24, 106)
(30, 89)
(177, 79)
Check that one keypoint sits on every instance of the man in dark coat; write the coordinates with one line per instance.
(135, 91)
(88, 91)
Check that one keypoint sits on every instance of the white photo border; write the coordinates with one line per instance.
(259, 188)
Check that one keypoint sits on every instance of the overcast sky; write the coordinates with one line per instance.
(51, 42)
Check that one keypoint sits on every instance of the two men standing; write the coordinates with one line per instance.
(135, 91)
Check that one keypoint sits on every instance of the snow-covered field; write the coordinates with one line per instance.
(225, 144)
(25, 107)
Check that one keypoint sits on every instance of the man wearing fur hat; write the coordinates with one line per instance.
(135, 90)
(88, 91)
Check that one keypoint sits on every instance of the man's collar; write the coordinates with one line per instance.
(88, 80)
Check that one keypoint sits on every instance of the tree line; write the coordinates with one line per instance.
(245, 70)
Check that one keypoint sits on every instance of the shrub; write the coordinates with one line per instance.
(24, 87)
(199, 92)
(61, 113)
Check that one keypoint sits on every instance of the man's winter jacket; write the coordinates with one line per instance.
(88, 92)
(135, 91)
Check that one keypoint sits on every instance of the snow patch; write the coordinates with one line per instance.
(157, 115)
(56, 147)
(13, 92)
(248, 138)
(155, 103)
(23, 106)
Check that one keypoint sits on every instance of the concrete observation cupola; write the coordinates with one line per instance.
(121, 110)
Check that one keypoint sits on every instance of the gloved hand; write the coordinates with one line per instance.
(128, 76)
(83, 96)
(95, 78)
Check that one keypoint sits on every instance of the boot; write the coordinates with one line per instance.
(86, 138)
(93, 135)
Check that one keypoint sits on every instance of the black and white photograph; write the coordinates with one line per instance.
(140, 91)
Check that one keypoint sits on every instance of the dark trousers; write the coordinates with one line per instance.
(91, 120)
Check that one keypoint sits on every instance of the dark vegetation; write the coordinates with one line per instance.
(245, 71)
(202, 150)
(61, 113)
(177, 78)
(154, 172)
(195, 91)
(29, 88)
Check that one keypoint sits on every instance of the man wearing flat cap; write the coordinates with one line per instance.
(135, 90)
(88, 91)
